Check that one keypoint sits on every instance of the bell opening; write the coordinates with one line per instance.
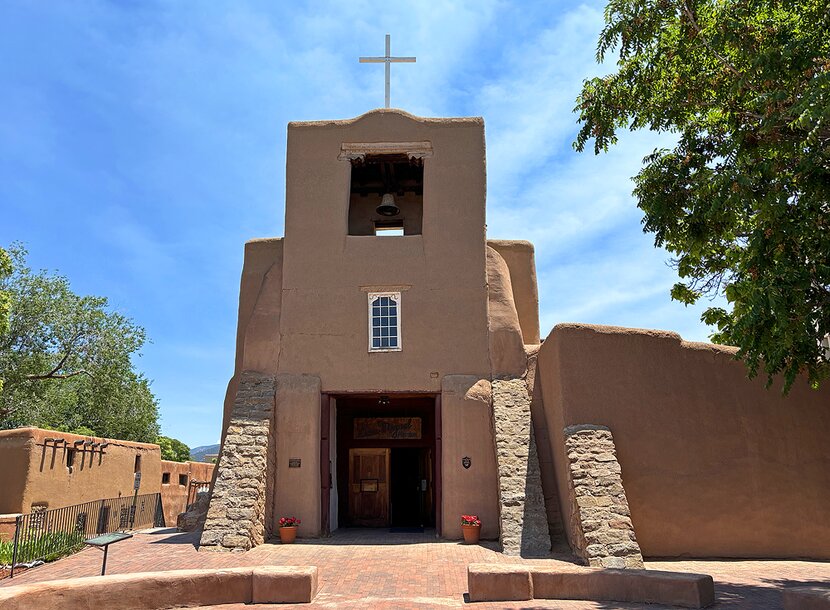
(386, 188)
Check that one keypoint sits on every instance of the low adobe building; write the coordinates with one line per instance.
(390, 373)
(180, 483)
(45, 469)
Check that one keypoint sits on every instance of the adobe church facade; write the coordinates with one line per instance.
(389, 373)
(380, 334)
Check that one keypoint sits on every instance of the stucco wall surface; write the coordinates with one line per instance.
(297, 428)
(466, 422)
(713, 464)
(258, 317)
(15, 451)
(35, 472)
(441, 273)
(520, 259)
(507, 351)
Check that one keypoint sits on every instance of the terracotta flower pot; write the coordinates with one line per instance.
(288, 534)
(471, 533)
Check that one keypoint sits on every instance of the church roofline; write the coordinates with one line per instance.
(383, 111)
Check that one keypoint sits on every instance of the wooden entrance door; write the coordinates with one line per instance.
(369, 487)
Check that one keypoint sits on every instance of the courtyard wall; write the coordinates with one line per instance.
(713, 464)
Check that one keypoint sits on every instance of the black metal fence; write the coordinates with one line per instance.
(49, 534)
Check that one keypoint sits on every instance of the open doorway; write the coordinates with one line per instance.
(385, 466)
(411, 491)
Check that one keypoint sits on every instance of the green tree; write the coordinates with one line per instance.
(173, 449)
(743, 200)
(66, 360)
(5, 299)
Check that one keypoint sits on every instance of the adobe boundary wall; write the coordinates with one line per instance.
(713, 464)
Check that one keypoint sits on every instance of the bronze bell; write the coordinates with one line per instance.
(387, 206)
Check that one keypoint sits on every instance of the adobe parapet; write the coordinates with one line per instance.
(572, 329)
(39, 435)
(386, 112)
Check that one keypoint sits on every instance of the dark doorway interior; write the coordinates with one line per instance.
(408, 488)
(402, 426)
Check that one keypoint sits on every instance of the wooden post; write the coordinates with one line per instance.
(325, 464)
(438, 466)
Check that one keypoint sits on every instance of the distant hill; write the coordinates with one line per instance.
(197, 454)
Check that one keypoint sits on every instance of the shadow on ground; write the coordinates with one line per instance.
(191, 538)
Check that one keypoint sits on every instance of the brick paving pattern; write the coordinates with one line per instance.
(376, 569)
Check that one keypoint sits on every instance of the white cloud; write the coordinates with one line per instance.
(594, 263)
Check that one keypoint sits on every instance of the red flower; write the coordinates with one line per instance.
(289, 522)
(470, 520)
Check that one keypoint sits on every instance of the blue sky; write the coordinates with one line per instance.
(141, 144)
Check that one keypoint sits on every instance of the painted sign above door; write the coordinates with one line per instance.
(385, 428)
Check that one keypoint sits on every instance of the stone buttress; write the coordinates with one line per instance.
(236, 517)
(603, 531)
(524, 522)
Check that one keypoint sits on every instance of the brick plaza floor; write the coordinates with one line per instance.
(377, 569)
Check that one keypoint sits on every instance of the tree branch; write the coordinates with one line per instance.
(58, 367)
(53, 375)
(699, 32)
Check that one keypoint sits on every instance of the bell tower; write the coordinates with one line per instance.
(389, 204)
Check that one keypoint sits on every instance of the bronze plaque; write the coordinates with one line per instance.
(386, 428)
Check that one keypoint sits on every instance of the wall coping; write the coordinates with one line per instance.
(570, 430)
(169, 589)
(522, 582)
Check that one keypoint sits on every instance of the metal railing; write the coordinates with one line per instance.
(50, 534)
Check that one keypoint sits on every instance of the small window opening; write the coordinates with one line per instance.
(165, 478)
(384, 322)
(70, 458)
(137, 464)
(386, 191)
(182, 479)
(389, 228)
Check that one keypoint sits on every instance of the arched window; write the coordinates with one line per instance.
(384, 321)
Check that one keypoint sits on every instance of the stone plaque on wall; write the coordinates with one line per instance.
(387, 428)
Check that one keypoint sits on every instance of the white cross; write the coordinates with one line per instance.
(387, 60)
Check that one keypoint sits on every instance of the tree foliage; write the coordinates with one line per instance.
(66, 360)
(743, 199)
(173, 449)
(5, 298)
